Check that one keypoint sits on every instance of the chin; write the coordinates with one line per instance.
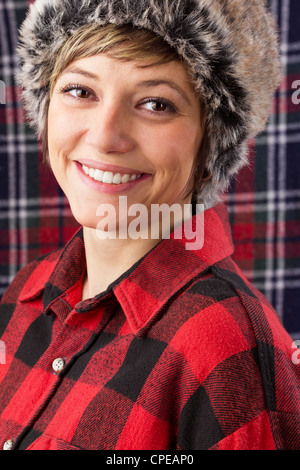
(85, 222)
(86, 218)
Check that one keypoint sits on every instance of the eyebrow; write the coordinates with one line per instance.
(174, 86)
(145, 83)
(85, 73)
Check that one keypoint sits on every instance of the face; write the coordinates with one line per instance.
(117, 129)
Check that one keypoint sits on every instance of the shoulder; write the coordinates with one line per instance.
(236, 348)
(209, 326)
(210, 309)
(220, 314)
(223, 327)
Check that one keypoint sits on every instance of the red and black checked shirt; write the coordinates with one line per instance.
(180, 352)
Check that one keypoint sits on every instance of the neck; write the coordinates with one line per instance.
(108, 259)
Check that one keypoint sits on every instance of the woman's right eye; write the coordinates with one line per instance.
(76, 91)
(79, 93)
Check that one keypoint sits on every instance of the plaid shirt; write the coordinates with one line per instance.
(180, 352)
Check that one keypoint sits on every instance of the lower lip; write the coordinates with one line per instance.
(109, 188)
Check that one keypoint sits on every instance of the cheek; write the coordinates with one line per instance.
(63, 129)
(56, 130)
(175, 148)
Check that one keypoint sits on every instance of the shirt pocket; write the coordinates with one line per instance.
(46, 442)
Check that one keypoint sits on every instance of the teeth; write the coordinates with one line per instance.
(117, 179)
(125, 178)
(98, 175)
(109, 177)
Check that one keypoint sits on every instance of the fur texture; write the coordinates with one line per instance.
(230, 46)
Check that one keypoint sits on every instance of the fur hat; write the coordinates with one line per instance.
(230, 47)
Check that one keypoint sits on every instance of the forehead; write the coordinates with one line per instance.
(102, 67)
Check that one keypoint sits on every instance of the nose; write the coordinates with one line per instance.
(109, 130)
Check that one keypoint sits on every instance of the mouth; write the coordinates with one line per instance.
(109, 177)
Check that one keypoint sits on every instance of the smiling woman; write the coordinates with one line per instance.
(142, 343)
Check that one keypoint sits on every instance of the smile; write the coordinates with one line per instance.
(109, 177)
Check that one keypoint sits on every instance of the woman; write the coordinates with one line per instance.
(135, 342)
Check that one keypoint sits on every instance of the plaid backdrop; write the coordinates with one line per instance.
(264, 201)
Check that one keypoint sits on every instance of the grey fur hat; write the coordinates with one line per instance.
(230, 47)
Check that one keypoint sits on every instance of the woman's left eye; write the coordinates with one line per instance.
(158, 106)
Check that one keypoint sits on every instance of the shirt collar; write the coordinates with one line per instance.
(146, 287)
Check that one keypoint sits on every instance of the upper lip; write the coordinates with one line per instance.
(108, 167)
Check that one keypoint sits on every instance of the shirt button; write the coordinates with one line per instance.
(58, 364)
(8, 445)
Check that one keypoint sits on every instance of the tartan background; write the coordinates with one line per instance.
(263, 201)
